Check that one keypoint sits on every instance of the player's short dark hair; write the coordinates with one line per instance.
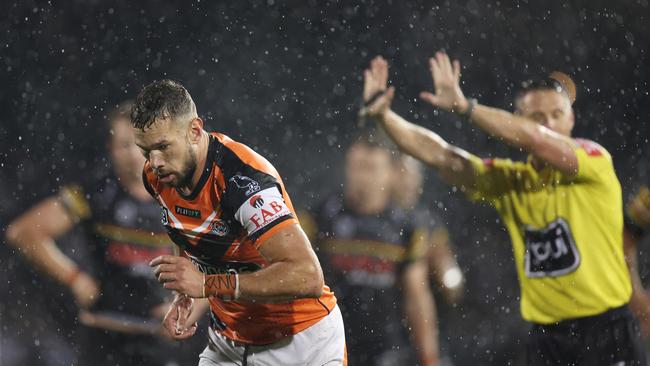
(160, 100)
(373, 138)
(119, 112)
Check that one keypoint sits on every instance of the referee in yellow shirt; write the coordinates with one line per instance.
(562, 208)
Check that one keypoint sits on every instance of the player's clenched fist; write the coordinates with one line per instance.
(179, 274)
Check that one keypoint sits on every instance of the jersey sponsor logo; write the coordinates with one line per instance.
(243, 182)
(551, 251)
(190, 243)
(266, 214)
(220, 228)
(224, 267)
(256, 201)
(261, 210)
(187, 212)
(164, 216)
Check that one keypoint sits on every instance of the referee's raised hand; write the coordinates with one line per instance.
(377, 96)
(446, 80)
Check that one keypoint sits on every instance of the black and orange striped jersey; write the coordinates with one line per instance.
(238, 203)
(123, 235)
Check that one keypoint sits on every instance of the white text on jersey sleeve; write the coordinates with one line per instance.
(261, 210)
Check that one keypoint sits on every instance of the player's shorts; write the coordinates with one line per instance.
(322, 344)
(611, 338)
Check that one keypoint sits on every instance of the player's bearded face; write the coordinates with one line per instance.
(189, 166)
(548, 108)
(167, 147)
(181, 164)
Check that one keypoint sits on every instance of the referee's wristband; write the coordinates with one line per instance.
(223, 286)
(467, 114)
(373, 98)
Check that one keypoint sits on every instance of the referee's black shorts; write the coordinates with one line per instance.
(611, 338)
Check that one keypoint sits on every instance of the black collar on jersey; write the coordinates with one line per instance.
(207, 170)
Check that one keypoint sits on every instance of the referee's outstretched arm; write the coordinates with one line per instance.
(551, 145)
(452, 163)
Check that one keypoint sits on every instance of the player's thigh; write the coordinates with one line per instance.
(321, 344)
(331, 350)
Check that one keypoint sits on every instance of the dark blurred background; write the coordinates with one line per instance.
(285, 78)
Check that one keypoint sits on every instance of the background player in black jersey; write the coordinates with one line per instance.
(118, 296)
(407, 193)
(637, 226)
(376, 259)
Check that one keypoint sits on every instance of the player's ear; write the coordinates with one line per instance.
(195, 130)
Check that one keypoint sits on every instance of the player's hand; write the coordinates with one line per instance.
(639, 208)
(446, 80)
(85, 290)
(376, 90)
(175, 321)
(178, 274)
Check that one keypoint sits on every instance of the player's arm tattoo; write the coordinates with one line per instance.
(224, 286)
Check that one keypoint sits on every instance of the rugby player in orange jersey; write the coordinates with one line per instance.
(242, 247)
(120, 302)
